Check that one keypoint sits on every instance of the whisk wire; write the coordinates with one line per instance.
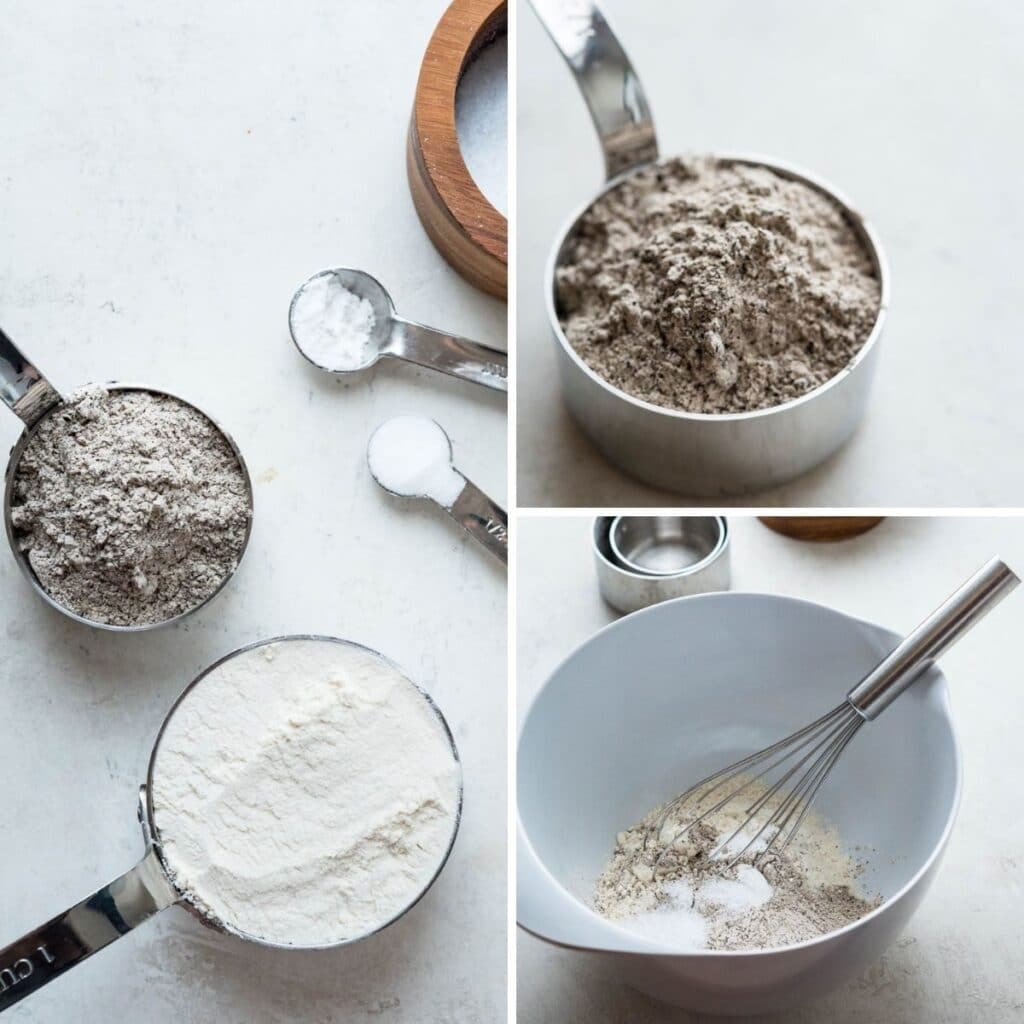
(855, 725)
(798, 800)
(726, 774)
(813, 750)
(791, 799)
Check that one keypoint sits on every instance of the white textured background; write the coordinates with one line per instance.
(170, 174)
(911, 109)
(960, 959)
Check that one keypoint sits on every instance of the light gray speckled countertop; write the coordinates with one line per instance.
(171, 174)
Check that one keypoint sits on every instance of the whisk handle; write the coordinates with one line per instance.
(919, 649)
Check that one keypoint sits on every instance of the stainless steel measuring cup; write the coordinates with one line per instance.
(625, 549)
(397, 338)
(692, 453)
(123, 904)
(32, 398)
(483, 519)
(666, 545)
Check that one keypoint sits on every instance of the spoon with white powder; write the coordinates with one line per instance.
(411, 456)
(343, 321)
(303, 793)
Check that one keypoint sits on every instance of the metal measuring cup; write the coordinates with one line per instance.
(693, 453)
(48, 951)
(397, 338)
(32, 398)
(644, 560)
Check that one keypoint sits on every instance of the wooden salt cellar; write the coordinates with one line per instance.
(466, 229)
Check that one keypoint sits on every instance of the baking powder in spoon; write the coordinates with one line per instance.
(332, 325)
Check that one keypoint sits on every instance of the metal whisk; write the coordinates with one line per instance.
(805, 758)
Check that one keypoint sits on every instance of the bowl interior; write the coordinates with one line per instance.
(660, 699)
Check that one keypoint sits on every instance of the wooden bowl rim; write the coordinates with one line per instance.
(471, 22)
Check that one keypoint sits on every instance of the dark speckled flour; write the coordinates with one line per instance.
(713, 287)
(131, 506)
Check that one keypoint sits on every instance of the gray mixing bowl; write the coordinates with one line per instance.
(663, 697)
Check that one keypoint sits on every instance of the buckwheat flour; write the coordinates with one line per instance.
(789, 896)
(713, 287)
(131, 506)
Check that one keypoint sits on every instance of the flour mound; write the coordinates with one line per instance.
(304, 792)
(712, 287)
(131, 506)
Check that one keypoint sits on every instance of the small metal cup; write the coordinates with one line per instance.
(626, 582)
(69, 938)
(665, 545)
(24, 389)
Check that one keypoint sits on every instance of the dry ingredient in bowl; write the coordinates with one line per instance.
(789, 896)
(714, 287)
(304, 793)
(332, 325)
(131, 506)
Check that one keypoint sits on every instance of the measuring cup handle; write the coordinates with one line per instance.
(22, 386)
(71, 937)
(458, 357)
(610, 85)
(483, 520)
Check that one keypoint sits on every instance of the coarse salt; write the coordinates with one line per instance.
(411, 456)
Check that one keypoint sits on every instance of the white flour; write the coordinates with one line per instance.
(411, 456)
(332, 325)
(305, 792)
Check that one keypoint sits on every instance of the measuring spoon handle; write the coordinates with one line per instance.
(482, 519)
(607, 79)
(458, 357)
(69, 938)
(22, 387)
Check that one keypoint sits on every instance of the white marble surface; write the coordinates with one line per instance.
(908, 108)
(960, 958)
(171, 173)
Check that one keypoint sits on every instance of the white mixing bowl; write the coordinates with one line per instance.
(662, 698)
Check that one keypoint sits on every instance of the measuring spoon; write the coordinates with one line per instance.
(411, 457)
(114, 910)
(32, 398)
(391, 335)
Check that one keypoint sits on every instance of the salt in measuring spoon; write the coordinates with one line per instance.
(388, 335)
(411, 456)
(64, 941)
